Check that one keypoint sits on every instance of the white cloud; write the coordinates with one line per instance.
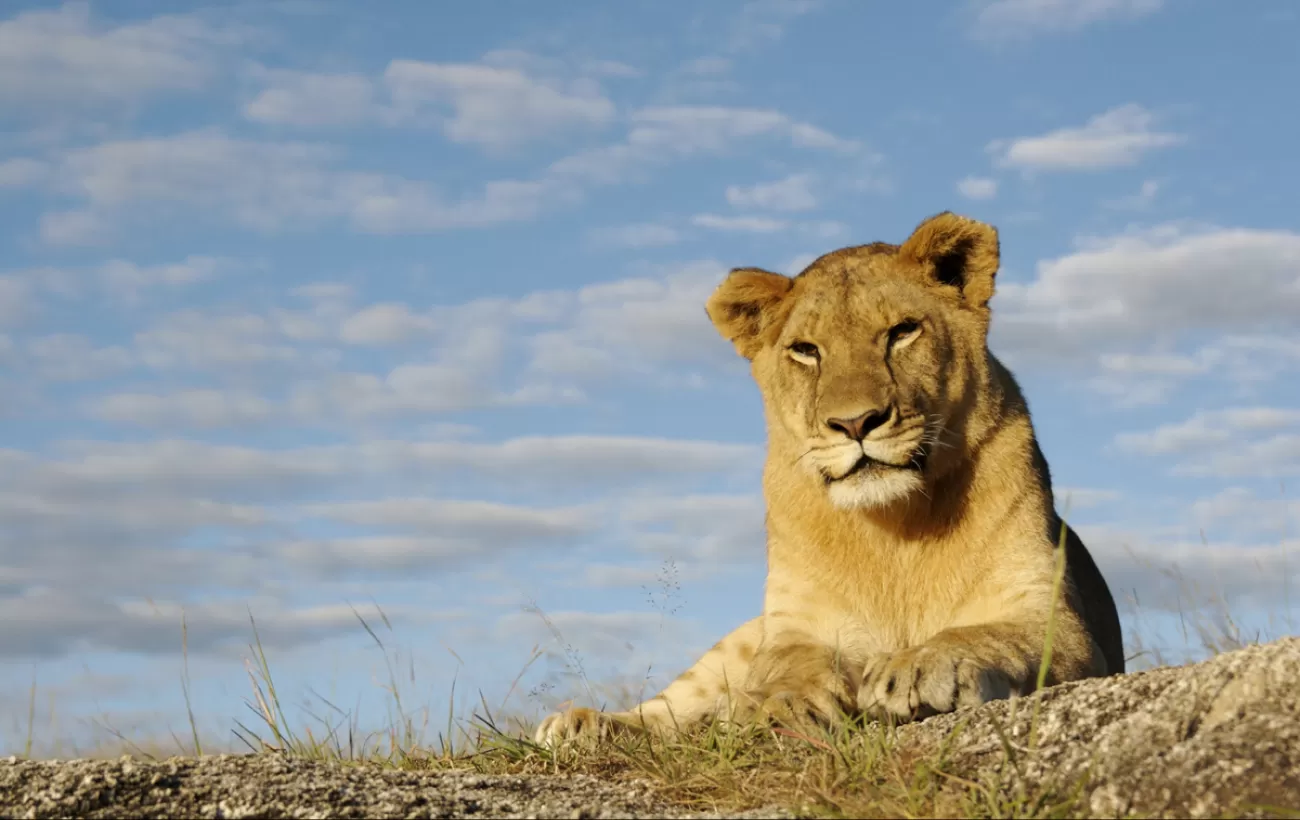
(977, 187)
(432, 387)
(266, 186)
(74, 228)
(70, 357)
(700, 529)
(463, 372)
(58, 57)
(999, 20)
(493, 106)
(1241, 512)
(1208, 428)
(740, 224)
(1249, 358)
(810, 136)
(694, 513)
(421, 534)
(701, 78)
(569, 459)
(276, 186)
(626, 327)
(611, 68)
(706, 66)
(1187, 576)
(15, 297)
(51, 623)
(703, 129)
(335, 559)
(762, 22)
(187, 409)
(1142, 200)
(606, 576)
(198, 340)
(127, 279)
(387, 323)
(1151, 364)
(306, 99)
(490, 522)
(406, 207)
(1242, 441)
(1116, 138)
(1134, 379)
(162, 468)
(1154, 309)
(792, 193)
(665, 133)
(1246, 362)
(1155, 284)
(324, 293)
(597, 634)
(168, 520)
(260, 184)
(109, 522)
(650, 328)
(507, 98)
(24, 510)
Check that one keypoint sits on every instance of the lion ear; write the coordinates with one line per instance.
(743, 306)
(956, 251)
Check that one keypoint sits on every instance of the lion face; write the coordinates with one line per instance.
(870, 360)
(861, 377)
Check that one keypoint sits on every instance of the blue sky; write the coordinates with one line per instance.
(307, 306)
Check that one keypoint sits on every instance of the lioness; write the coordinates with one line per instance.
(911, 527)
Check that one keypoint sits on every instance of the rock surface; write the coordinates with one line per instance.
(273, 787)
(1210, 739)
(1220, 738)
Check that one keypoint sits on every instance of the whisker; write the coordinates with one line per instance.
(806, 453)
(935, 430)
(922, 490)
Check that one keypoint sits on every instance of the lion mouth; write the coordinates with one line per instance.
(865, 462)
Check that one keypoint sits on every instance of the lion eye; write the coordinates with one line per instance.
(904, 331)
(805, 350)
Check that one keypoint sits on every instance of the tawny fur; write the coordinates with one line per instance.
(910, 518)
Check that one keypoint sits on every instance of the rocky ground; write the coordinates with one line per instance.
(1217, 738)
(272, 786)
(1204, 740)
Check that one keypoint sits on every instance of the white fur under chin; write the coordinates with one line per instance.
(875, 489)
(876, 486)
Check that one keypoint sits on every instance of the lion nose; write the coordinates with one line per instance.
(858, 427)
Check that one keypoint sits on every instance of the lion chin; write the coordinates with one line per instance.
(873, 485)
(871, 475)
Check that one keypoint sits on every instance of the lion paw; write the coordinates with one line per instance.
(574, 724)
(915, 683)
(800, 707)
(820, 699)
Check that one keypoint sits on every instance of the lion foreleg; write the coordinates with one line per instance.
(702, 692)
